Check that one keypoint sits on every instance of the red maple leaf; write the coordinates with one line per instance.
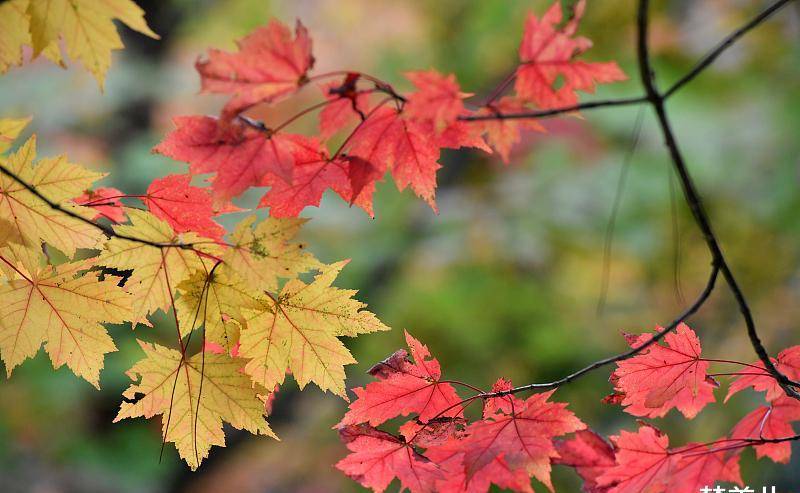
(378, 457)
(523, 438)
(314, 172)
(459, 134)
(773, 421)
(346, 106)
(438, 98)
(502, 404)
(788, 363)
(450, 459)
(391, 142)
(240, 156)
(547, 54)
(403, 388)
(184, 207)
(269, 65)
(106, 201)
(644, 463)
(503, 134)
(589, 454)
(433, 432)
(662, 377)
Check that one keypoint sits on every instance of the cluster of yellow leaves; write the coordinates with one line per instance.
(86, 28)
(258, 314)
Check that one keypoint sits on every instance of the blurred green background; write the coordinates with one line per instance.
(505, 281)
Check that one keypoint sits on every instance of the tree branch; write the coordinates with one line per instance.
(105, 229)
(656, 99)
(701, 299)
(723, 45)
(705, 62)
(605, 103)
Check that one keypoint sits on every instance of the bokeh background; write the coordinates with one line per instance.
(508, 280)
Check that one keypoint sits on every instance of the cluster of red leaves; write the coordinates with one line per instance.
(383, 131)
(513, 440)
(172, 198)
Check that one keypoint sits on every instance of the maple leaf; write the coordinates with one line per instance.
(14, 25)
(436, 431)
(346, 105)
(769, 422)
(503, 133)
(662, 377)
(240, 156)
(215, 301)
(59, 181)
(298, 330)
(10, 235)
(524, 437)
(589, 454)
(548, 53)
(194, 396)
(391, 142)
(157, 271)
(61, 309)
(10, 128)
(105, 201)
(644, 463)
(404, 388)
(438, 98)
(450, 459)
(788, 363)
(269, 65)
(186, 208)
(263, 254)
(378, 457)
(314, 172)
(87, 29)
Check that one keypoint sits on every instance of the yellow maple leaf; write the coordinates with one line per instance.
(262, 255)
(157, 271)
(214, 300)
(194, 396)
(60, 307)
(59, 181)
(86, 27)
(14, 32)
(10, 128)
(299, 329)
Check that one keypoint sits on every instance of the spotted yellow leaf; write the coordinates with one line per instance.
(215, 301)
(262, 254)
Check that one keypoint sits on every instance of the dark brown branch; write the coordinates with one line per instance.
(693, 199)
(708, 59)
(605, 103)
(105, 229)
(723, 45)
(701, 299)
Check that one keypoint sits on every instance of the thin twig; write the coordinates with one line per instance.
(723, 45)
(701, 299)
(605, 103)
(608, 243)
(105, 229)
